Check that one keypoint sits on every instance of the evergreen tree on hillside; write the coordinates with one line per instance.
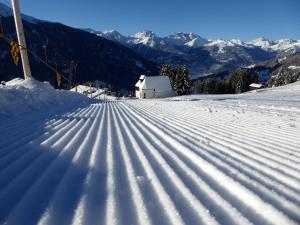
(199, 86)
(168, 70)
(182, 85)
(240, 80)
(211, 86)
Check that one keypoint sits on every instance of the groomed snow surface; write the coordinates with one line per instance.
(219, 159)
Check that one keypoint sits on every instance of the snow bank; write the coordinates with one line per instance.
(21, 96)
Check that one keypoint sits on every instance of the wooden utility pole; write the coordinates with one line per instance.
(21, 39)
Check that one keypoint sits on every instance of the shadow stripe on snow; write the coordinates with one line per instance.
(32, 183)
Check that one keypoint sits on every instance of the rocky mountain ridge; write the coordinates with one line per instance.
(202, 56)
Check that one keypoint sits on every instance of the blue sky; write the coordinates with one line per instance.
(243, 19)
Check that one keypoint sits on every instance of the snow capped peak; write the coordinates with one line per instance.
(186, 39)
(237, 42)
(112, 35)
(261, 42)
(287, 42)
(144, 34)
(184, 36)
(283, 45)
(192, 40)
(145, 37)
(222, 44)
(287, 45)
(110, 32)
(196, 42)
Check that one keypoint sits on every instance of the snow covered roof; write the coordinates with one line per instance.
(138, 83)
(159, 83)
(91, 92)
(81, 88)
(294, 67)
(254, 85)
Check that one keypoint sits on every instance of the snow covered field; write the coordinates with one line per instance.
(218, 159)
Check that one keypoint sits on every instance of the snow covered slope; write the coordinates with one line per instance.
(223, 159)
(18, 96)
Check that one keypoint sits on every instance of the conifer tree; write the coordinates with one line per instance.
(240, 80)
(182, 85)
(167, 70)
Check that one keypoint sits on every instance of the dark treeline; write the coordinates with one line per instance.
(237, 82)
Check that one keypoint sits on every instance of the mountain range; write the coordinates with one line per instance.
(192, 40)
(202, 56)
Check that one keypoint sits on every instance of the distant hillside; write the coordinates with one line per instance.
(97, 58)
(276, 72)
(279, 71)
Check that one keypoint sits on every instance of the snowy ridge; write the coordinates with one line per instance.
(196, 42)
(146, 37)
(222, 44)
(192, 40)
(203, 56)
(149, 38)
(113, 36)
(229, 159)
(188, 39)
(279, 45)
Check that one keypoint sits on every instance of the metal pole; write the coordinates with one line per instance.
(21, 39)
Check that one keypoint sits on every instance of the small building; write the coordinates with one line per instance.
(153, 87)
(137, 86)
(255, 86)
(90, 91)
